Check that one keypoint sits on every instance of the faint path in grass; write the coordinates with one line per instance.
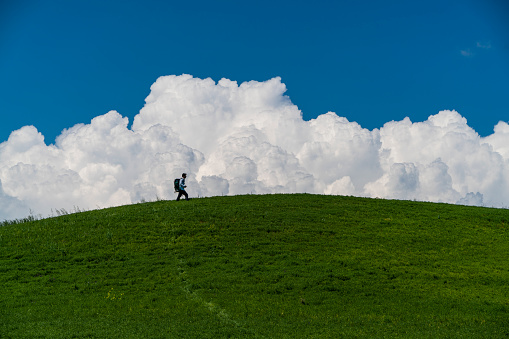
(213, 308)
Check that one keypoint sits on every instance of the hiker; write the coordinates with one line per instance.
(181, 189)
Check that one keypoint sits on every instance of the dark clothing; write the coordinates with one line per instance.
(182, 188)
(182, 193)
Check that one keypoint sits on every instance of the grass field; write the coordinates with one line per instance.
(259, 266)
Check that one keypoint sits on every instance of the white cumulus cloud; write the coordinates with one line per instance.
(247, 138)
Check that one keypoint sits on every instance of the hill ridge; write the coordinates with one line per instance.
(259, 266)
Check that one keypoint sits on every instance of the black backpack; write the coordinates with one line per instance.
(176, 184)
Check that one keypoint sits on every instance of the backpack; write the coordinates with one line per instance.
(176, 184)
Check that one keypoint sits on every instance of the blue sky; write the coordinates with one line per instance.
(66, 62)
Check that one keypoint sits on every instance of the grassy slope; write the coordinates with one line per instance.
(274, 266)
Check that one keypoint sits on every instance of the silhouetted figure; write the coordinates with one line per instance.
(182, 187)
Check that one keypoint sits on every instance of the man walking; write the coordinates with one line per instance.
(182, 187)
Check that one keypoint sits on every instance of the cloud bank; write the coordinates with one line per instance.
(247, 139)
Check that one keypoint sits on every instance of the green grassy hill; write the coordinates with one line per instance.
(272, 266)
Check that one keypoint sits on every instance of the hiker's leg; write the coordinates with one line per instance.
(185, 193)
(178, 196)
